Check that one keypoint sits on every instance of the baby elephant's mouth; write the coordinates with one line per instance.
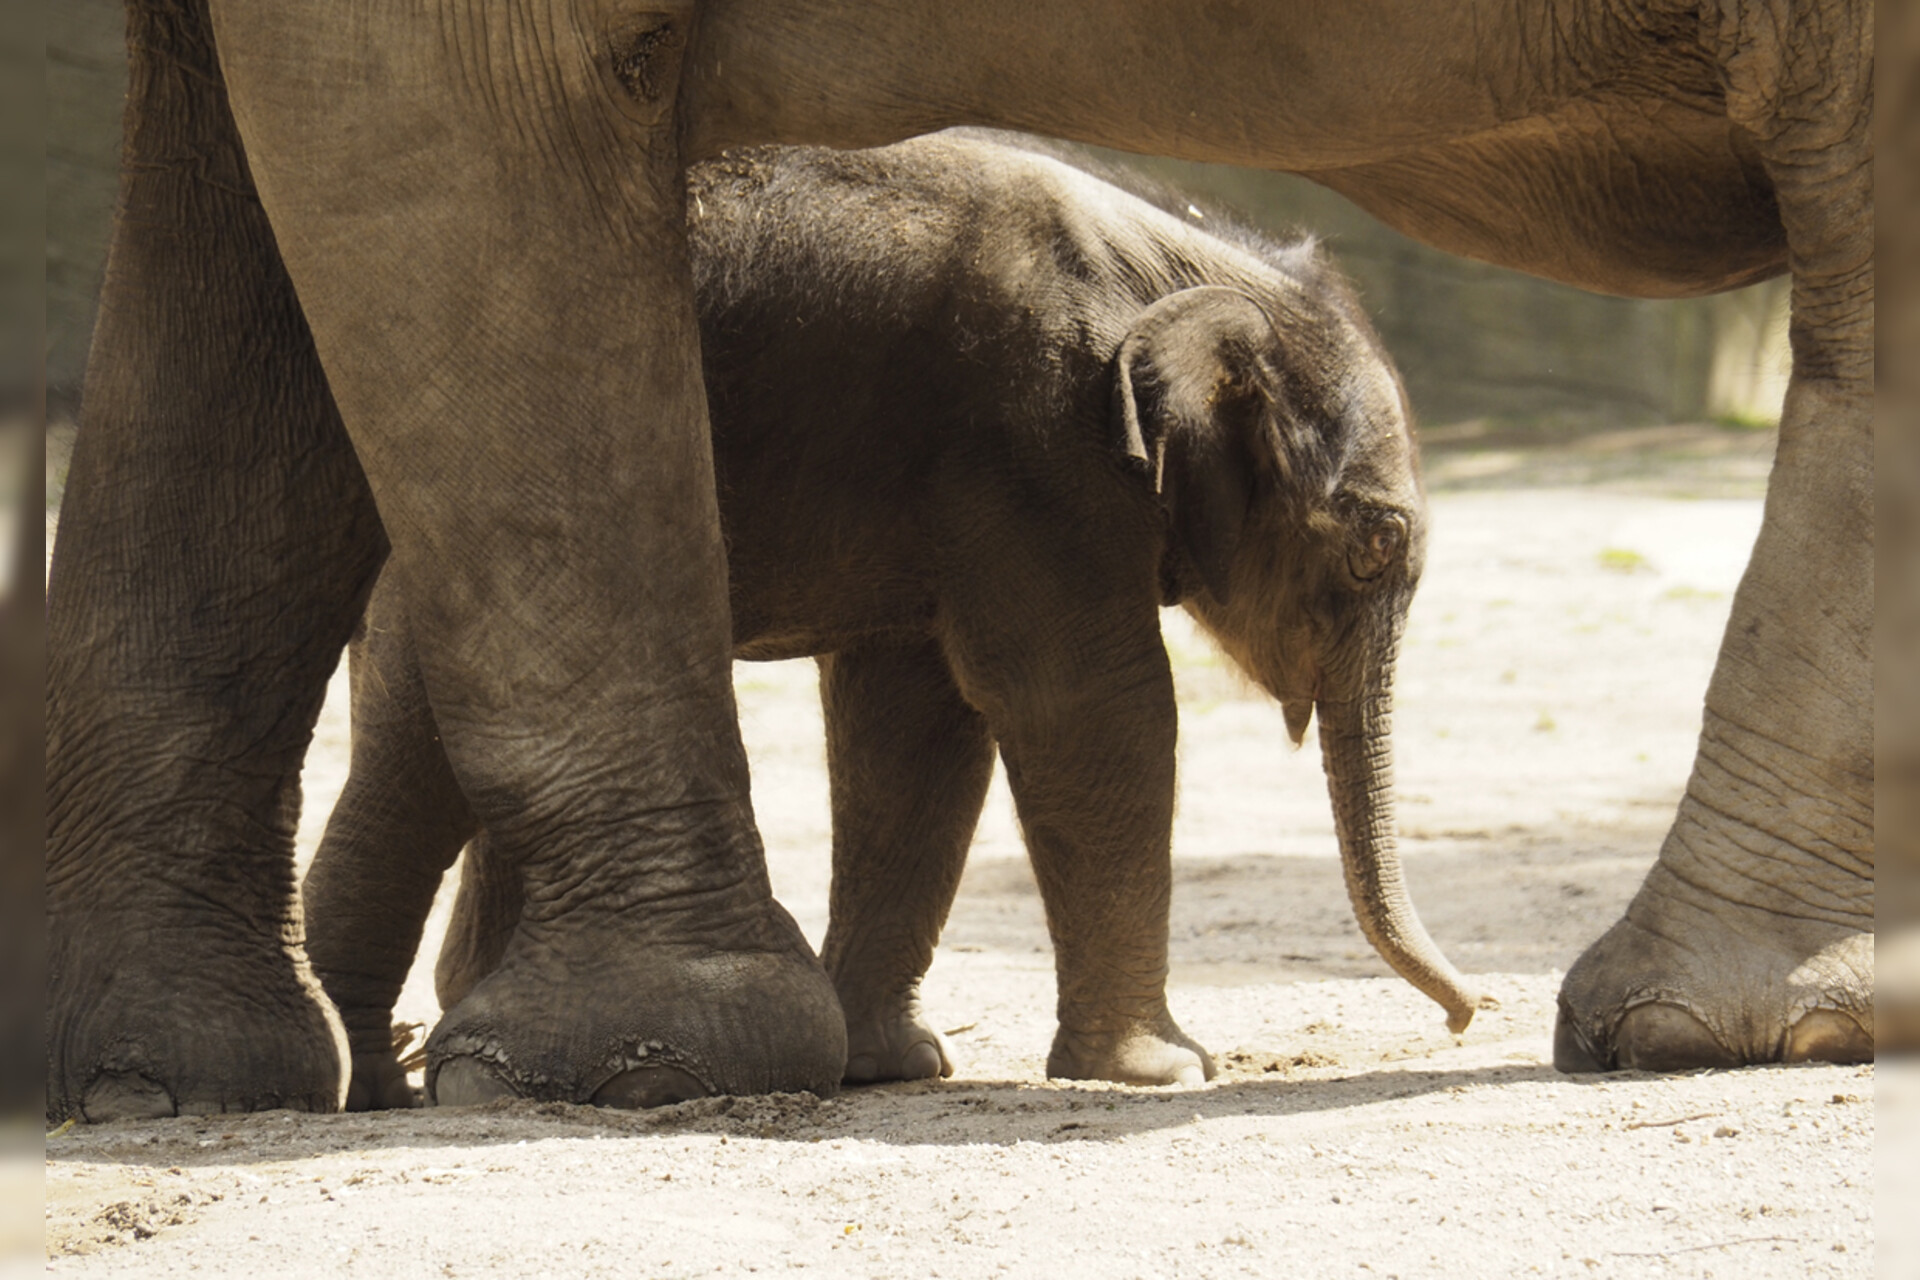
(1299, 713)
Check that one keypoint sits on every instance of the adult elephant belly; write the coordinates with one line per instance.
(1648, 199)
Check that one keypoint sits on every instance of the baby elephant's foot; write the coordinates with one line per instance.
(895, 1043)
(379, 1083)
(1156, 1053)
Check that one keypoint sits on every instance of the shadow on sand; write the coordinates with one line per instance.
(944, 1113)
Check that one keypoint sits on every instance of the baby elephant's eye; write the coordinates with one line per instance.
(1383, 544)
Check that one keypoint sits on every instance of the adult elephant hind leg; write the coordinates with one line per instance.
(909, 763)
(215, 547)
(397, 827)
(1751, 940)
(483, 212)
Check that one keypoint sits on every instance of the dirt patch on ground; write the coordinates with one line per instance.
(1548, 705)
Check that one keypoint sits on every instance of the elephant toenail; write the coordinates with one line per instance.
(1571, 1053)
(1825, 1035)
(638, 1088)
(467, 1082)
(1665, 1037)
(125, 1095)
(922, 1061)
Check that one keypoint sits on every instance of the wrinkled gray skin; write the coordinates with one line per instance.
(415, 277)
(976, 417)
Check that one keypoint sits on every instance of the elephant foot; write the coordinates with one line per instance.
(893, 1042)
(1680, 984)
(138, 1032)
(1155, 1053)
(571, 1017)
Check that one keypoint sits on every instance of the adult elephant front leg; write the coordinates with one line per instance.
(481, 206)
(1751, 940)
(215, 546)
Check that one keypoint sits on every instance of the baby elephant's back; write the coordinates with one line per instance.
(957, 257)
(931, 274)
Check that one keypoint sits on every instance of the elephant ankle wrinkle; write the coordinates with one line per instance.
(1721, 873)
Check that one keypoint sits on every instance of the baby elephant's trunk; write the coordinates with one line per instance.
(1356, 741)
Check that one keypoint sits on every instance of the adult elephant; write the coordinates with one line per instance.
(416, 274)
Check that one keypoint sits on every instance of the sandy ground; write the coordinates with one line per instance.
(1548, 702)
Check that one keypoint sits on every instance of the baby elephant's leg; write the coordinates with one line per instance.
(909, 762)
(398, 826)
(1080, 698)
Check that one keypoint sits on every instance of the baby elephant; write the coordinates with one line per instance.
(976, 417)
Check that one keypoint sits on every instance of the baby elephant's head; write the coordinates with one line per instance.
(1276, 435)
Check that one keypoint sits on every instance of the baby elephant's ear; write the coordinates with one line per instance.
(1190, 391)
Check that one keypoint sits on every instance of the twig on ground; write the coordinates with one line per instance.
(1718, 1244)
(1668, 1124)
